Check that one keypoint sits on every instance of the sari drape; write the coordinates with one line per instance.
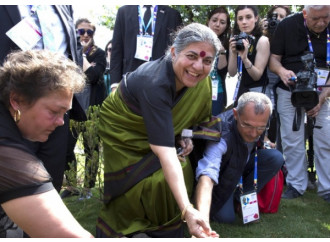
(148, 205)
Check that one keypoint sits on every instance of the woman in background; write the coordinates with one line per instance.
(219, 22)
(108, 50)
(273, 137)
(94, 63)
(251, 59)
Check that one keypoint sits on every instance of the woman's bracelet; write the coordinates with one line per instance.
(183, 213)
(222, 52)
(247, 68)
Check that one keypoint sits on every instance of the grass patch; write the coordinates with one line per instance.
(303, 217)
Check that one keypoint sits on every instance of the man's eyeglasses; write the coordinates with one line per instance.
(250, 127)
(83, 31)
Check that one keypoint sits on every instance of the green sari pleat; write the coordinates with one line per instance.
(149, 205)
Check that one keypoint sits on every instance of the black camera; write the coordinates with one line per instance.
(305, 95)
(239, 40)
(272, 23)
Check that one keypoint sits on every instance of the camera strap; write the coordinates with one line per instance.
(296, 120)
(239, 70)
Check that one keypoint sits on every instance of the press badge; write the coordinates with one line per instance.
(250, 209)
(25, 34)
(214, 90)
(144, 47)
(322, 77)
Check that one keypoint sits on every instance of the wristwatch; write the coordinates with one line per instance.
(223, 52)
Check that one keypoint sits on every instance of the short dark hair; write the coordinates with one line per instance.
(257, 31)
(272, 9)
(33, 74)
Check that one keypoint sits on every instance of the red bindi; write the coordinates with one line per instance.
(202, 53)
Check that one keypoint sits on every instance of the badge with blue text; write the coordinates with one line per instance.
(144, 47)
(250, 209)
(25, 34)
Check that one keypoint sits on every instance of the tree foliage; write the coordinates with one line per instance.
(189, 13)
(199, 13)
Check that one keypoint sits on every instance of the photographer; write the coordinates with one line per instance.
(305, 31)
(249, 60)
(274, 16)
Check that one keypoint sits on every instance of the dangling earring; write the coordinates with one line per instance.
(17, 116)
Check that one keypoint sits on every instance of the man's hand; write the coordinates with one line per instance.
(85, 45)
(187, 147)
(286, 76)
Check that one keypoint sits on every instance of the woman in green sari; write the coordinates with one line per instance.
(147, 188)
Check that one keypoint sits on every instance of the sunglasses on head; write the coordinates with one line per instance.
(83, 31)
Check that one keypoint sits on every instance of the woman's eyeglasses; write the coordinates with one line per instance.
(83, 31)
(109, 49)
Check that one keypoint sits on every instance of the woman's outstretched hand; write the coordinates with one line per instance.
(197, 226)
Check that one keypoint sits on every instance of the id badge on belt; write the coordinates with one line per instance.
(250, 209)
(322, 77)
(144, 47)
(25, 34)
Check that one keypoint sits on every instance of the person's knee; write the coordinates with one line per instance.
(274, 158)
(224, 217)
(277, 159)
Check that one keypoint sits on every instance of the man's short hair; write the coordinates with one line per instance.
(260, 100)
(315, 7)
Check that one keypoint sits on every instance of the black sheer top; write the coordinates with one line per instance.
(21, 172)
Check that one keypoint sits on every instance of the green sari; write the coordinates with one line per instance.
(149, 205)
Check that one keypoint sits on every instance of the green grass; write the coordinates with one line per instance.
(304, 217)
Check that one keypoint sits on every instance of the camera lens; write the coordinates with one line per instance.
(239, 46)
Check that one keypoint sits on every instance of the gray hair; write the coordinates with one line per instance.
(193, 33)
(260, 100)
(315, 7)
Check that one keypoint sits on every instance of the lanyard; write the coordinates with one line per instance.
(152, 21)
(33, 9)
(255, 180)
(33, 12)
(311, 46)
(239, 70)
(214, 74)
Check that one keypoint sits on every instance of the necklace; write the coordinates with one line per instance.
(314, 33)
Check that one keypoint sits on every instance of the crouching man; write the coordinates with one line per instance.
(232, 161)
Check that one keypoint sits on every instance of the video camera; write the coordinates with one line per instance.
(305, 94)
(239, 40)
(272, 23)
